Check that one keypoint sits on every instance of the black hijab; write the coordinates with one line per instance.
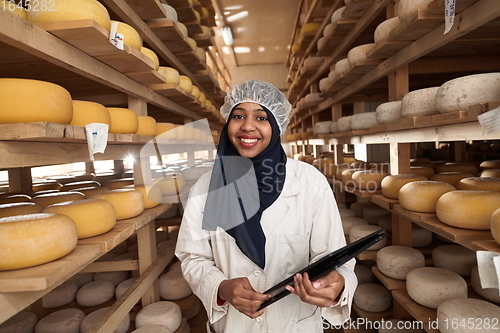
(242, 188)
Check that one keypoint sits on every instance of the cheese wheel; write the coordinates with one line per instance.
(458, 167)
(455, 258)
(420, 237)
(373, 213)
(80, 184)
(19, 208)
(95, 293)
(26, 101)
(372, 297)
(89, 112)
(152, 195)
(114, 184)
(387, 112)
(329, 29)
(82, 279)
(344, 123)
(490, 173)
(391, 184)
(360, 231)
(314, 98)
(383, 29)
(347, 175)
(397, 261)
(310, 27)
(123, 121)
(48, 199)
(173, 286)
(94, 316)
(123, 286)
(130, 35)
(313, 62)
(479, 183)
(200, 53)
(165, 131)
(61, 321)
(194, 173)
(324, 84)
(451, 177)
(422, 196)
(342, 66)
(62, 295)
(163, 313)
(468, 209)
(115, 278)
(337, 15)
(170, 12)
(21, 322)
(368, 179)
(490, 164)
(67, 10)
(152, 329)
(182, 29)
(146, 126)
(128, 203)
(430, 286)
(407, 7)
(363, 274)
(425, 171)
(467, 315)
(16, 9)
(171, 184)
(491, 294)
(88, 191)
(462, 92)
(151, 55)
(495, 225)
(171, 74)
(195, 91)
(358, 207)
(363, 120)
(358, 53)
(420, 102)
(349, 222)
(186, 83)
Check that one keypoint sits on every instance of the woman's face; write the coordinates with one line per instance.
(249, 129)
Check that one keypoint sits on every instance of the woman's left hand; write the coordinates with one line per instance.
(322, 292)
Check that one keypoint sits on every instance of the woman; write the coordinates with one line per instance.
(258, 218)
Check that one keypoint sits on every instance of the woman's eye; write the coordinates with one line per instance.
(262, 118)
(237, 116)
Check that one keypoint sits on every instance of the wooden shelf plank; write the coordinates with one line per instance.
(147, 9)
(438, 7)
(386, 48)
(416, 26)
(109, 240)
(166, 30)
(419, 312)
(193, 27)
(147, 77)
(389, 283)
(487, 245)
(356, 8)
(173, 92)
(384, 202)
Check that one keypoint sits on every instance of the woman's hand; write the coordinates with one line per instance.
(322, 292)
(240, 294)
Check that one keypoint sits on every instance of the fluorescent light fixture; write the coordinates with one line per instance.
(242, 49)
(235, 7)
(225, 50)
(261, 49)
(227, 35)
(237, 16)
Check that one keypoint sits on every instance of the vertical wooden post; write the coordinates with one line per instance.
(20, 180)
(399, 158)
(358, 107)
(146, 241)
(89, 168)
(119, 167)
(139, 106)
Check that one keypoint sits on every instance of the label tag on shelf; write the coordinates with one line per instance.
(490, 121)
(449, 15)
(488, 264)
(97, 138)
(115, 38)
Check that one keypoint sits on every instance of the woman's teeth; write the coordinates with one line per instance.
(249, 140)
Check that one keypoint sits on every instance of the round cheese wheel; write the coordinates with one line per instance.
(69, 11)
(337, 15)
(313, 98)
(387, 112)
(345, 213)
(176, 266)
(420, 102)
(313, 62)
(462, 92)
(26, 101)
(146, 125)
(490, 164)
(324, 84)
(80, 184)
(349, 222)
(422, 196)
(61, 321)
(200, 53)
(344, 123)
(170, 12)
(165, 131)
(373, 213)
(115, 278)
(407, 7)
(195, 92)
(62, 295)
(89, 112)
(152, 329)
(322, 127)
(95, 293)
(48, 199)
(363, 274)
(186, 83)
(171, 184)
(202, 98)
(194, 173)
(385, 222)
(310, 27)
(19, 208)
(430, 286)
(455, 258)
(383, 29)
(182, 29)
(397, 261)
(452, 313)
(21, 322)
(360, 231)
(94, 316)
(368, 179)
(114, 184)
(171, 74)
(14, 8)
(130, 35)
(457, 167)
(128, 203)
(123, 286)
(391, 184)
(426, 171)
(468, 209)
(82, 279)
(495, 225)
(372, 297)
(451, 177)
(342, 66)
(35, 239)
(152, 195)
(347, 175)
(151, 55)
(363, 121)
(420, 237)
(173, 286)
(163, 313)
(358, 207)
(329, 29)
(123, 121)
(358, 53)
(490, 173)
(491, 294)
(479, 183)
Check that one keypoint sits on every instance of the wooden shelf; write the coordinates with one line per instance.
(147, 9)
(372, 316)
(356, 8)
(419, 312)
(384, 201)
(487, 245)
(389, 283)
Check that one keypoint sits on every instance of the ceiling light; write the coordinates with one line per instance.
(242, 49)
(225, 50)
(227, 35)
(235, 7)
(237, 16)
(261, 49)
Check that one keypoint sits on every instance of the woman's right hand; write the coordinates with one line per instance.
(240, 294)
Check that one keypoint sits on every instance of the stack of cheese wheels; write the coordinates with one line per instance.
(373, 213)
(363, 274)
(383, 29)
(372, 297)
(407, 7)
(397, 261)
(468, 209)
(130, 35)
(462, 92)
(173, 286)
(80, 184)
(368, 179)
(89, 112)
(66, 10)
(451, 177)
(349, 222)
(62, 295)
(151, 55)
(423, 170)
(61, 321)
(479, 183)
(94, 316)
(92, 217)
(48, 199)
(19, 208)
(454, 258)
(12, 7)
(163, 313)
(458, 167)
(360, 231)
(420, 102)
(171, 74)
(26, 101)
(123, 121)
(95, 293)
(391, 184)
(127, 203)
(463, 315)
(430, 286)
(422, 196)
(387, 112)
(146, 125)
(491, 294)
(114, 184)
(21, 322)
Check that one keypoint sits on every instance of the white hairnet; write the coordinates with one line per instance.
(263, 93)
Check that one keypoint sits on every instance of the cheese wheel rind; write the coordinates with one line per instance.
(85, 112)
(422, 196)
(467, 310)
(21, 322)
(397, 261)
(455, 258)
(164, 313)
(95, 293)
(420, 102)
(127, 203)
(173, 286)
(391, 184)
(146, 125)
(130, 35)
(94, 316)
(372, 297)
(123, 121)
(61, 321)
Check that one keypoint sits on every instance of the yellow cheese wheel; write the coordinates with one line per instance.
(26, 101)
(182, 28)
(195, 92)
(180, 132)
(495, 225)
(80, 184)
(48, 199)
(128, 203)
(310, 27)
(186, 83)
(19, 208)
(123, 121)
(347, 175)
(202, 98)
(391, 184)
(368, 179)
(490, 173)
(146, 125)
(189, 132)
(152, 195)
(452, 177)
(92, 217)
(68, 10)
(13, 7)
(468, 209)
(35, 239)
(171, 74)
(89, 112)
(130, 35)
(490, 164)
(151, 55)
(12, 198)
(458, 167)
(425, 171)
(88, 191)
(422, 196)
(192, 43)
(165, 130)
(118, 183)
(46, 185)
(479, 183)
(200, 53)
(171, 184)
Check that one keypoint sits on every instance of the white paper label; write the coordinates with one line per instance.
(449, 15)
(488, 275)
(97, 138)
(115, 38)
(496, 262)
(490, 121)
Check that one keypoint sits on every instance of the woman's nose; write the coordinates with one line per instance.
(248, 124)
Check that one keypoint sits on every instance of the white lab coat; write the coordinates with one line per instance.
(301, 226)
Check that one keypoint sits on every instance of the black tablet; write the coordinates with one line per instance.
(325, 265)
